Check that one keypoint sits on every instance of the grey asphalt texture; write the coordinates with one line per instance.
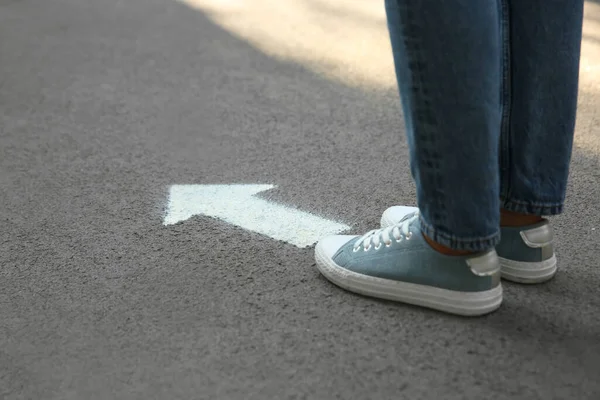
(105, 104)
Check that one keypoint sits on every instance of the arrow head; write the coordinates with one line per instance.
(185, 201)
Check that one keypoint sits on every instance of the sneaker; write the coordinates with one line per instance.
(396, 263)
(526, 253)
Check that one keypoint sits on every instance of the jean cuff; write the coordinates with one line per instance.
(531, 207)
(475, 244)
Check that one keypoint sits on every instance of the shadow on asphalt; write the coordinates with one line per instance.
(170, 326)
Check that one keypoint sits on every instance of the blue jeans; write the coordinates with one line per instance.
(489, 93)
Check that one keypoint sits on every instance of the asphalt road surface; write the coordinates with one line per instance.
(104, 104)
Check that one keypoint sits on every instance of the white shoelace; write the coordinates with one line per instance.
(379, 237)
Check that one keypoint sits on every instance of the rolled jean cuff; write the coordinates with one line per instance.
(531, 207)
(475, 244)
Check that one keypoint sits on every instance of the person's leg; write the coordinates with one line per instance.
(542, 40)
(541, 46)
(448, 62)
(448, 56)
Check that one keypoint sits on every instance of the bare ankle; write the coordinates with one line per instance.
(440, 248)
(510, 218)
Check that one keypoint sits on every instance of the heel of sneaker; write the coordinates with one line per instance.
(528, 272)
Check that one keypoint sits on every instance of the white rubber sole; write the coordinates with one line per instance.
(528, 272)
(450, 301)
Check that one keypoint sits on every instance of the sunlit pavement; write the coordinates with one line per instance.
(110, 290)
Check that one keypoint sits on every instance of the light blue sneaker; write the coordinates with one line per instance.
(396, 263)
(526, 253)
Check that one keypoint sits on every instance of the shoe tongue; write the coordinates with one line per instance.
(408, 216)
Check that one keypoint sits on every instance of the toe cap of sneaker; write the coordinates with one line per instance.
(327, 247)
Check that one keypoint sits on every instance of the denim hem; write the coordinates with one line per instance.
(531, 207)
(456, 243)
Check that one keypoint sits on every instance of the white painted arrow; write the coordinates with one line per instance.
(237, 205)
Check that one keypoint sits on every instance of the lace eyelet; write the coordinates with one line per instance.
(409, 236)
(378, 246)
(399, 239)
(367, 248)
(356, 249)
(388, 244)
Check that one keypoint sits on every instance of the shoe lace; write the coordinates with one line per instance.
(378, 237)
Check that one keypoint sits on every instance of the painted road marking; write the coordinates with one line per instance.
(237, 205)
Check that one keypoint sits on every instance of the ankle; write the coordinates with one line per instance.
(440, 248)
(510, 218)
